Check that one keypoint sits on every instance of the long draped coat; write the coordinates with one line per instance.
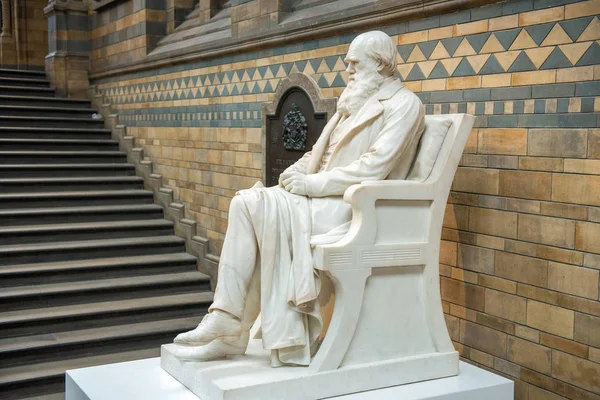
(376, 143)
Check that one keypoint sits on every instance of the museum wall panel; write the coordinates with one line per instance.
(126, 31)
(520, 260)
(24, 34)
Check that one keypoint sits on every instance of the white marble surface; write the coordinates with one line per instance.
(145, 379)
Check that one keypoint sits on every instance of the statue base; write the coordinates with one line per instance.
(145, 379)
(252, 377)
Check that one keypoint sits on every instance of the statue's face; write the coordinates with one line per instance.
(364, 78)
(360, 66)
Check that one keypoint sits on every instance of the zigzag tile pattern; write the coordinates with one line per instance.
(553, 45)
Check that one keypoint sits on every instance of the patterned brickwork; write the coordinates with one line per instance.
(520, 259)
(25, 41)
(128, 31)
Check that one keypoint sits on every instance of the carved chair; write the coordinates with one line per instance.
(385, 271)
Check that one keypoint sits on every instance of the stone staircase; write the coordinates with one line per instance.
(90, 270)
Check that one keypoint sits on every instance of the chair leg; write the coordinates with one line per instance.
(349, 292)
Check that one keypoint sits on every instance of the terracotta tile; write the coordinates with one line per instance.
(476, 180)
(588, 237)
(577, 371)
(462, 293)
(582, 9)
(575, 280)
(537, 293)
(498, 283)
(587, 329)
(483, 338)
(505, 306)
(510, 141)
(577, 189)
(552, 319)
(506, 22)
(531, 185)
(521, 268)
(562, 344)
(547, 230)
(493, 222)
(541, 16)
(525, 332)
(529, 355)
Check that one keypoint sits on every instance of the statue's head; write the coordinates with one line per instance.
(371, 58)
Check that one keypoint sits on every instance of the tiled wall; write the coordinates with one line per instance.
(520, 257)
(26, 44)
(127, 32)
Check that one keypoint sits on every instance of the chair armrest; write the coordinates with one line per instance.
(410, 202)
(372, 191)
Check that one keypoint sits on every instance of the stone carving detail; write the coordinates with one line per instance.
(294, 129)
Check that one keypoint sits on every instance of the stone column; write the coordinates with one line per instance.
(6, 18)
(8, 53)
(254, 17)
(69, 45)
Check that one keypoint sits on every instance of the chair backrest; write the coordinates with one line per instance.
(445, 148)
(436, 128)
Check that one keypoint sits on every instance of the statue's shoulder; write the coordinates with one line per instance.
(402, 98)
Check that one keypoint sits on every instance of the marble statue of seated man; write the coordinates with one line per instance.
(266, 263)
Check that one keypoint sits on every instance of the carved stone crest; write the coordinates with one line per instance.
(294, 129)
(292, 123)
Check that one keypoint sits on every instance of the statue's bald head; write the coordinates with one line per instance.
(379, 47)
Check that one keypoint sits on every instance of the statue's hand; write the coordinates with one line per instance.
(294, 182)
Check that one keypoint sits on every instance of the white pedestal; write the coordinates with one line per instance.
(145, 379)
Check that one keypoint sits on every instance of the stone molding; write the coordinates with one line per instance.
(98, 4)
(360, 18)
(67, 5)
(173, 210)
(312, 90)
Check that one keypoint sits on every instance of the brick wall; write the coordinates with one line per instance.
(126, 32)
(25, 44)
(520, 258)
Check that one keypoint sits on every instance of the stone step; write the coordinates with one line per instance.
(56, 215)
(45, 101)
(62, 345)
(57, 144)
(99, 268)
(37, 185)
(95, 290)
(89, 249)
(62, 157)
(33, 82)
(70, 198)
(48, 378)
(47, 111)
(29, 234)
(101, 314)
(65, 170)
(50, 122)
(22, 73)
(26, 91)
(54, 133)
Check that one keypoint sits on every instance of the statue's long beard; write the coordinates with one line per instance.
(358, 91)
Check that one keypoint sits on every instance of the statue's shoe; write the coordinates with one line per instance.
(215, 325)
(213, 351)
